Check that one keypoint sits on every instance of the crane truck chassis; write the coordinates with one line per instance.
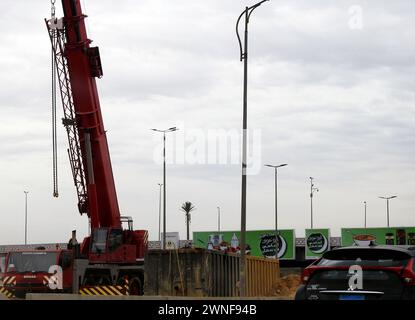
(111, 260)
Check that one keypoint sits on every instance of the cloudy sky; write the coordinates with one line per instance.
(331, 93)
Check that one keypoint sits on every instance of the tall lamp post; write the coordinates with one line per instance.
(365, 212)
(387, 205)
(312, 191)
(164, 179)
(244, 56)
(218, 219)
(276, 203)
(25, 217)
(160, 185)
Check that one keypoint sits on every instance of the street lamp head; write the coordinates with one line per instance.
(387, 198)
(276, 166)
(168, 130)
(257, 5)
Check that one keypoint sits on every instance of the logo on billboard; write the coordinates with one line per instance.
(317, 243)
(268, 245)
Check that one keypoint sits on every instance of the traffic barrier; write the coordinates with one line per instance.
(6, 293)
(103, 291)
(9, 280)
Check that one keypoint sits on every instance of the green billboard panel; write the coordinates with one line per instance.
(260, 243)
(380, 236)
(317, 241)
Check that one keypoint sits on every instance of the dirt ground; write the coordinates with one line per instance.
(287, 286)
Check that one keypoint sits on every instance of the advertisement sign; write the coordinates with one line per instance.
(380, 236)
(172, 240)
(260, 243)
(317, 241)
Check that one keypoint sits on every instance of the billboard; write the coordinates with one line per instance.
(381, 236)
(172, 240)
(260, 243)
(317, 241)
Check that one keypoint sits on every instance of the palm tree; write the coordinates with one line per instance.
(188, 207)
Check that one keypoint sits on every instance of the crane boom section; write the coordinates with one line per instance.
(84, 66)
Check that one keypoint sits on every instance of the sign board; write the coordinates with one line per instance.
(260, 243)
(380, 236)
(317, 241)
(172, 240)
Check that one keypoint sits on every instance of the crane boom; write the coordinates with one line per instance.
(89, 153)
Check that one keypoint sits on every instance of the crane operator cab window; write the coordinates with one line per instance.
(99, 241)
(115, 239)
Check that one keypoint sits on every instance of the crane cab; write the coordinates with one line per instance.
(115, 245)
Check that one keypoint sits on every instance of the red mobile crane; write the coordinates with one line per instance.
(111, 254)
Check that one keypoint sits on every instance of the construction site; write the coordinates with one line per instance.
(107, 255)
(114, 260)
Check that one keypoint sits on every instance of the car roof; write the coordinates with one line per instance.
(410, 250)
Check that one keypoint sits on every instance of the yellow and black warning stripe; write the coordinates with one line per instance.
(9, 280)
(103, 291)
(6, 292)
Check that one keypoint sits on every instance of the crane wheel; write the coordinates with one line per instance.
(136, 288)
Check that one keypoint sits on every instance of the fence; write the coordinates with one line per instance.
(205, 273)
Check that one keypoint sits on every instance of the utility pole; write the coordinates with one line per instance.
(160, 185)
(218, 219)
(312, 190)
(365, 212)
(164, 180)
(25, 219)
(276, 203)
(387, 206)
(244, 56)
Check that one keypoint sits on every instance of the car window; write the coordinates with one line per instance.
(365, 257)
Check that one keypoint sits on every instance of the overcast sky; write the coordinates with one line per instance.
(331, 93)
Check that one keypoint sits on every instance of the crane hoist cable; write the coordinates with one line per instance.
(54, 125)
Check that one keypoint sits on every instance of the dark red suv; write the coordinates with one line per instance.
(361, 273)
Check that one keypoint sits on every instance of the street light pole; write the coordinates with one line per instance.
(164, 179)
(25, 219)
(244, 56)
(160, 185)
(218, 219)
(312, 190)
(387, 206)
(365, 212)
(276, 202)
